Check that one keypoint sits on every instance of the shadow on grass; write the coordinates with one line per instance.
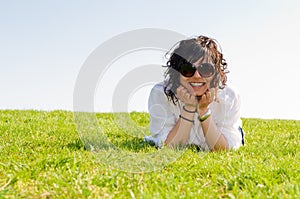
(133, 144)
(130, 144)
(75, 145)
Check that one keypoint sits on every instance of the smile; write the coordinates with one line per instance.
(197, 83)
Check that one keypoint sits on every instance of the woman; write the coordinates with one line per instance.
(194, 106)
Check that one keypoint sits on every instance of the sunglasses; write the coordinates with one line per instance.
(206, 70)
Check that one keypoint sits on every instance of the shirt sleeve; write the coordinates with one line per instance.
(162, 116)
(231, 121)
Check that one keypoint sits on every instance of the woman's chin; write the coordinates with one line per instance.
(199, 92)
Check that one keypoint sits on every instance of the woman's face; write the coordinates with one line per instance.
(196, 84)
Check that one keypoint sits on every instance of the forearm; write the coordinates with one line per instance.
(181, 131)
(213, 136)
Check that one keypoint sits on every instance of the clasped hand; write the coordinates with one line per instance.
(189, 98)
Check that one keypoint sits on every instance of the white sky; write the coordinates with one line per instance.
(43, 45)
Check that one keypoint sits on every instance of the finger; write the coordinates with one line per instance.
(187, 86)
(182, 93)
(192, 99)
(207, 94)
(213, 93)
(204, 97)
(179, 89)
(190, 89)
(209, 97)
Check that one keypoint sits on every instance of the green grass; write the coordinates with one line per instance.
(42, 156)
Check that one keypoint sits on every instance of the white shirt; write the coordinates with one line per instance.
(225, 113)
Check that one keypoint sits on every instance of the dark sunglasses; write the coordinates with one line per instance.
(205, 70)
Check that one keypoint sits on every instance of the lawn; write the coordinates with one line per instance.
(42, 156)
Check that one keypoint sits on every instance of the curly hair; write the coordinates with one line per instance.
(191, 50)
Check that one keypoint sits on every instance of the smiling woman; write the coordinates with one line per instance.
(194, 105)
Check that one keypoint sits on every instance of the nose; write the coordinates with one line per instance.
(196, 74)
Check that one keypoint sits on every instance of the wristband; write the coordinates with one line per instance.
(186, 119)
(189, 111)
(205, 116)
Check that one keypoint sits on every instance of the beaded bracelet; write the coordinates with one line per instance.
(186, 119)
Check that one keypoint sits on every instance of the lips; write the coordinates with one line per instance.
(198, 84)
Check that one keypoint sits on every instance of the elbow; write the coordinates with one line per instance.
(174, 145)
(221, 146)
